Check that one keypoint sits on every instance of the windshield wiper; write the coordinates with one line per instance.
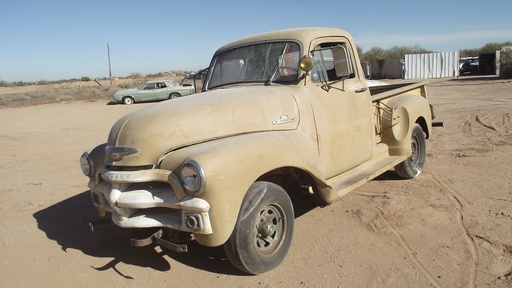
(269, 80)
(279, 64)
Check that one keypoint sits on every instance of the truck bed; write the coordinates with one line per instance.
(385, 91)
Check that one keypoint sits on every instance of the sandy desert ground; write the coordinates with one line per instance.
(450, 227)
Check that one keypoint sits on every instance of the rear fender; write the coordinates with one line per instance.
(412, 109)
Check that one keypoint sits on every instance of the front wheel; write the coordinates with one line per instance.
(412, 166)
(128, 100)
(263, 231)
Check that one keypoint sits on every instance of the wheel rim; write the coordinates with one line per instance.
(269, 229)
(416, 151)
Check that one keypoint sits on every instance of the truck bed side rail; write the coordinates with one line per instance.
(396, 89)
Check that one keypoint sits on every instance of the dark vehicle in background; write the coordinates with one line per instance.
(468, 65)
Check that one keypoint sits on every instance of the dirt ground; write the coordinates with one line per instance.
(450, 227)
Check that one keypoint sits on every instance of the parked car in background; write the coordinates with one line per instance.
(153, 91)
(468, 64)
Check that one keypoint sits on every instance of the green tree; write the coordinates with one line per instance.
(395, 52)
(489, 47)
(375, 53)
(359, 51)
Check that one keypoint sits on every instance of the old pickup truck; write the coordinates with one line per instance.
(283, 115)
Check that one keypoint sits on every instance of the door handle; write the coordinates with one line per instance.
(361, 89)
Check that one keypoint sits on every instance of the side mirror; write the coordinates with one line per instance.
(367, 69)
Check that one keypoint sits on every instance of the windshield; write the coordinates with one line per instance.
(264, 62)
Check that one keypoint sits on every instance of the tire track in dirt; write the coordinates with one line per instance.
(405, 244)
(457, 204)
(491, 130)
(383, 222)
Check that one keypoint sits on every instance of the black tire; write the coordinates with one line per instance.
(128, 100)
(174, 95)
(412, 166)
(264, 229)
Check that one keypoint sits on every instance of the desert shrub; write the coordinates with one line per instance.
(56, 95)
(4, 83)
(155, 75)
(126, 85)
(130, 83)
(135, 75)
(85, 78)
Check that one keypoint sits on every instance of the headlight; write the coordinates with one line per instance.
(192, 178)
(86, 164)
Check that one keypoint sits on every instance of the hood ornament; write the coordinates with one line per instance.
(118, 153)
(284, 119)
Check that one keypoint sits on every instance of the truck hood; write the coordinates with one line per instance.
(169, 125)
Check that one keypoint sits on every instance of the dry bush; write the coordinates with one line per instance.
(75, 91)
(61, 94)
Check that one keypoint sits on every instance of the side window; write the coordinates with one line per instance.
(160, 85)
(150, 86)
(332, 62)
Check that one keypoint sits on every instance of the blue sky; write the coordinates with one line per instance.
(54, 39)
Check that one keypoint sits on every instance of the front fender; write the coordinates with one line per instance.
(96, 155)
(232, 164)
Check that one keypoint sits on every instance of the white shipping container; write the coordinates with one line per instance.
(431, 65)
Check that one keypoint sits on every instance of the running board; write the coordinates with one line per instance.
(350, 180)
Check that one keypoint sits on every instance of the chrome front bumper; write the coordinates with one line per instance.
(149, 198)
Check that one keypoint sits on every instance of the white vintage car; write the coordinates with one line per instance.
(153, 91)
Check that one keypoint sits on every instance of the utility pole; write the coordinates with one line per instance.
(109, 67)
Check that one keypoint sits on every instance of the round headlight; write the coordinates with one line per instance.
(192, 178)
(85, 164)
(306, 63)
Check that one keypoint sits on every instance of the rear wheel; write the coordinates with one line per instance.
(264, 229)
(174, 95)
(412, 166)
(128, 100)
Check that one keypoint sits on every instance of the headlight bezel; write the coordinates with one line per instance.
(192, 178)
(86, 164)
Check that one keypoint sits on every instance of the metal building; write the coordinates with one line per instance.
(431, 65)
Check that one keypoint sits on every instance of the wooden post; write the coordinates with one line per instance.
(109, 67)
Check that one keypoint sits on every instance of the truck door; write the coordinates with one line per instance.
(341, 107)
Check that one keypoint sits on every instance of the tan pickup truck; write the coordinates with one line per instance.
(283, 115)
